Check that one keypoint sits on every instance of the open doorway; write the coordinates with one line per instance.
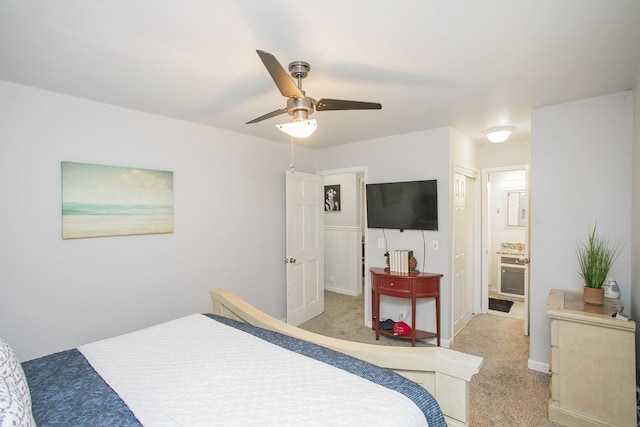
(505, 239)
(344, 234)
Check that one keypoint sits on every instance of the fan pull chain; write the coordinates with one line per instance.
(291, 164)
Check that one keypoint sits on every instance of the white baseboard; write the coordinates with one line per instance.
(538, 366)
(343, 291)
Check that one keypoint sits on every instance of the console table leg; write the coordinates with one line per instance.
(438, 319)
(413, 322)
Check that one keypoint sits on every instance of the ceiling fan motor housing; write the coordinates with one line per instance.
(299, 69)
(300, 108)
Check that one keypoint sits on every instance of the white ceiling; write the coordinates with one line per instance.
(466, 64)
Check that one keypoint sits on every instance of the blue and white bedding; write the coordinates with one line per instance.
(66, 390)
(15, 399)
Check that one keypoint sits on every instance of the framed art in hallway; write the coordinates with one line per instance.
(101, 200)
(332, 198)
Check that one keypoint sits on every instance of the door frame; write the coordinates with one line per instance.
(485, 237)
(366, 289)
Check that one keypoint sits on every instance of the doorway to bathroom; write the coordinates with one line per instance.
(505, 240)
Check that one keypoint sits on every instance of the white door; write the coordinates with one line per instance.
(462, 239)
(305, 248)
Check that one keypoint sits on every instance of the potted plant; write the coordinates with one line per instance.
(595, 257)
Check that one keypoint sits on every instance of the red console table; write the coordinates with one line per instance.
(405, 285)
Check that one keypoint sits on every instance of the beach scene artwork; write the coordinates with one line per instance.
(100, 200)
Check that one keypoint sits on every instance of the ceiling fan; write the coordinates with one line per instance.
(299, 105)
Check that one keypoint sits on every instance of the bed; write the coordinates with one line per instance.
(235, 366)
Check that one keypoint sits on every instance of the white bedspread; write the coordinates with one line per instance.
(195, 371)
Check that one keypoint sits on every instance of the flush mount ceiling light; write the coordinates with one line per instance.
(499, 134)
(299, 129)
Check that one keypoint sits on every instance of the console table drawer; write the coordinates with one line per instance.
(394, 284)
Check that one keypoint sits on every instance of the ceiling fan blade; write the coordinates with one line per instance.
(268, 115)
(285, 84)
(326, 104)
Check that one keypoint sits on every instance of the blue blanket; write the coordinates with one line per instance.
(66, 391)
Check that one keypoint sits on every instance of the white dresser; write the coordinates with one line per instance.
(592, 363)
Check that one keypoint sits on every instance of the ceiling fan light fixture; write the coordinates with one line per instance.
(299, 128)
(499, 134)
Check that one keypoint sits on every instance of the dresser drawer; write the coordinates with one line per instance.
(394, 284)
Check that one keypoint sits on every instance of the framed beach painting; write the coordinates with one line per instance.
(100, 200)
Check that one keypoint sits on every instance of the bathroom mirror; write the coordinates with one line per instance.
(516, 208)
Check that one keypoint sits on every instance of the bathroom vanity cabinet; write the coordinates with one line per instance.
(512, 271)
(592, 362)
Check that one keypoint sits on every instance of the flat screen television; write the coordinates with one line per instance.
(411, 205)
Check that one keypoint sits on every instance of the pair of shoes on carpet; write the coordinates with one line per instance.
(387, 325)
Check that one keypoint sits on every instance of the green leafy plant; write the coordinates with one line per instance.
(596, 256)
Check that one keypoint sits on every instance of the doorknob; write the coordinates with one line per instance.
(290, 260)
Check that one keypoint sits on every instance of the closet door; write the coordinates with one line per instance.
(462, 246)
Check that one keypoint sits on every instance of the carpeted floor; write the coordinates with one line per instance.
(504, 393)
(344, 318)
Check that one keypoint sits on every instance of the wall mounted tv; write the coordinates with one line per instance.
(411, 205)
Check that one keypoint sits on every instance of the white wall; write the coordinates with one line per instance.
(463, 151)
(515, 151)
(348, 216)
(229, 222)
(415, 156)
(581, 171)
(635, 216)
